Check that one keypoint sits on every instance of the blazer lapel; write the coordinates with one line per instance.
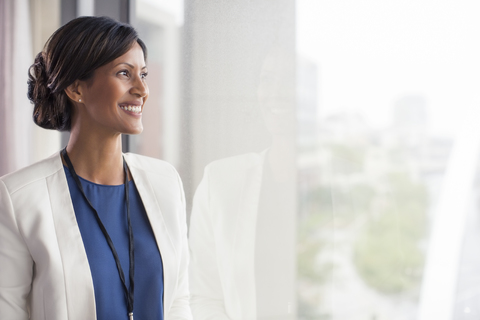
(160, 230)
(76, 270)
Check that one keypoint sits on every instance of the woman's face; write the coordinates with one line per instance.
(113, 100)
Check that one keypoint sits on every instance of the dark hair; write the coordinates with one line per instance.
(72, 53)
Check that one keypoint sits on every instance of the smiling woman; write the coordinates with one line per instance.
(92, 233)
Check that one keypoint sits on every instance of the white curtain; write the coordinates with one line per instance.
(15, 109)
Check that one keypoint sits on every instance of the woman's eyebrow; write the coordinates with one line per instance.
(130, 65)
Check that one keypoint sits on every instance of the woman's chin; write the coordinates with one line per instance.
(134, 131)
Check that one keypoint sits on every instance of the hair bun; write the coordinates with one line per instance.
(46, 103)
(38, 90)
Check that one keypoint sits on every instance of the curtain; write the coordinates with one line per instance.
(15, 109)
(6, 92)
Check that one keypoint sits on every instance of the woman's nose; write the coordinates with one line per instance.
(140, 87)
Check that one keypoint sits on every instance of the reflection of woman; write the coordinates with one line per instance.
(90, 233)
(242, 229)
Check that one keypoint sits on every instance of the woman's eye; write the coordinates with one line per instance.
(144, 75)
(123, 72)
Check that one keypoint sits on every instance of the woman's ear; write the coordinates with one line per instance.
(73, 91)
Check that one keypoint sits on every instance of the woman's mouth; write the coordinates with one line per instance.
(131, 109)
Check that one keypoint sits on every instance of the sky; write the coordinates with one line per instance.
(369, 53)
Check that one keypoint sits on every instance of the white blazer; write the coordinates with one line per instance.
(44, 271)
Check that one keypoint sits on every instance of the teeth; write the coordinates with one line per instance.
(134, 109)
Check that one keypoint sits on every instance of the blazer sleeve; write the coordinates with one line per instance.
(16, 263)
(207, 301)
(180, 308)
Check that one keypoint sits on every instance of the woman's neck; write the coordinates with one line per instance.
(97, 159)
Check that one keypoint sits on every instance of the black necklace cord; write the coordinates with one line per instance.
(129, 292)
(131, 247)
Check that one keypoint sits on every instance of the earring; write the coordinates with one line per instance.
(79, 100)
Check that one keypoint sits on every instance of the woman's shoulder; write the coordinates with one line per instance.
(32, 173)
(149, 164)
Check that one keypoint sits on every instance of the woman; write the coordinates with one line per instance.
(76, 228)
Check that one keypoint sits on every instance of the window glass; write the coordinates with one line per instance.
(328, 151)
(387, 212)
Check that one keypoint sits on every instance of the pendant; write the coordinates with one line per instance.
(130, 316)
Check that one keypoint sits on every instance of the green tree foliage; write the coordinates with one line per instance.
(387, 254)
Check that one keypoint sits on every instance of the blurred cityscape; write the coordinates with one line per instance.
(365, 201)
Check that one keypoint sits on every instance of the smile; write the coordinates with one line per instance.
(133, 109)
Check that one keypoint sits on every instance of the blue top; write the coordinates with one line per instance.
(110, 298)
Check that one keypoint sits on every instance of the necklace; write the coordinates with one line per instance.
(128, 291)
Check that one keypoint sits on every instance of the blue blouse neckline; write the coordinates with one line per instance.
(97, 184)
